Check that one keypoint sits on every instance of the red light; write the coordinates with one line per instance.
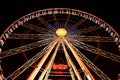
(59, 67)
(58, 72)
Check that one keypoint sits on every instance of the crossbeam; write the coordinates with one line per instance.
(50, 62)
(96, 50)
(23, 48)
(79, 60)
(29, 63)
(33, 27)
(92, 66)
(91, 38)
(30, 36)
(86, 30)
(41, 62)
(78, 23)
(71, 63)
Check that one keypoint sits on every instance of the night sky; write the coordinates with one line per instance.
(108, 11)
(10, 11)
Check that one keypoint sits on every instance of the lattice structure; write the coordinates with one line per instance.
(60, 36)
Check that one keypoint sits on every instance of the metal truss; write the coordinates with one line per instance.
(78, 23)
(30, 62)
(92, 66)
(25, 48)
(43, 21)
(86, 30)
(48, 27)
(73, 68)
(55, 19)
(49, 64)
(79, 60)
(41, 62)
(72, 36)
(68, 18)
(96, 50)
(30, 36)
(33, 27)
(91, 38)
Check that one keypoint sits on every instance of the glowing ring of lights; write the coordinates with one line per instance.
(75, 12)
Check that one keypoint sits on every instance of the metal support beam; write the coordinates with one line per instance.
(29, 63)
(78, 24)
(33, 27)
(79, 60)
(43, 21)
(68, 18)
(30, 36)
(49, 63)
(47, 74)
(36, 70)
(91, 38)
(92, 66)
(55, 19)
(96, 50)
(86, 30)
(23, 48)
(72, 65)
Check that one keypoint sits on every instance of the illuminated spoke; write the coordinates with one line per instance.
(79, 60)
(28, 64)
(25, 48)
(36, 70)
(77, 24)
(77, 36)
(91, 38)
(47, 74)
(96, 50)
(33, 27)
(86, 30)
(71, 64)
(67, 20)
(43, 21)
(49, 63)
(30, 36)
(92, 66)
(56, 20)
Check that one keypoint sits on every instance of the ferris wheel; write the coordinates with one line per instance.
(58, 44)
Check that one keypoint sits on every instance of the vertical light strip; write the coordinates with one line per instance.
(71, 70)
(79, 59)
(47, 74)
(71, 63)
(36, 70)
(49, 63)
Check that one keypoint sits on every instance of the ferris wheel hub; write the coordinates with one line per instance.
(61, 32)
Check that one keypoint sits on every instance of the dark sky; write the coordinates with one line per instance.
(11, 11)
(14, 9)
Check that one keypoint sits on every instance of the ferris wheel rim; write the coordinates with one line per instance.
(84, 14)
(43, 12)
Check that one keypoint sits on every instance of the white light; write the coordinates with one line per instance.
(116, 39)
(2, 42)
(107, 29)
(0, 50)
(111, 34)
(6, 35)
(88, 77)
(119, 46)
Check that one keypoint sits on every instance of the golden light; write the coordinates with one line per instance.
(61, 32)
